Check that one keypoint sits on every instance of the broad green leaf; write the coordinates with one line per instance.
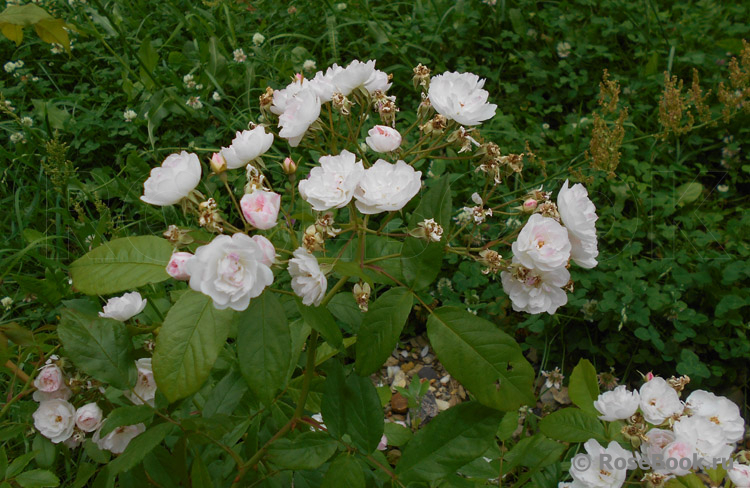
(92, 450)
(3, 462)
(46, 451)
(420, 259)
(306, 451)
(148, 55)
(344, 307)
(583, 386)
(12, 32)
(352, 406)
(484, 359)
(199, 475)
(17, 465)
(122, 264)
(140, 447)
(100, 347)
(131, 415)
(320, 319)
(226, 395)
(189, 341)
(508, 425)
(453, 438)
(85, 472)
(688, 193)
(728, 303)
(37, 478)
(53, 31)
(397, 434)
(688, 481)
(381, 328)
(344, 471)
(573, 425)
(533, 452)
(264, 345)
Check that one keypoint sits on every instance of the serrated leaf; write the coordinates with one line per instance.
(453, 438)
(583, 387)
(352, 406)
(306, 451)
(122, 264)
(344, 471)
(264, 345)
(487, 361)
(573, 425)
(187, 346)
(320, 319)
(98, 346)
(381, 328)
(130, 415)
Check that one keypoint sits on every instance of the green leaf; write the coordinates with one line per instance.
(484, 359)
(189, 341)
(344, 307)
(420, 259)
(37, 478)
(533, 452)
(226, 395)
(573, 425)
(46, 451)
(728, 303)
(122, 264)
(53, 31)
(92, 450)
(139, 447)
(344, 471)
(508, 425)
(100, 347)
(688, 481)
(320, 319)
(131, 415)
(688, 193)
(17, 465)
(397, 434)
(3, 462)
(149, 56)
(453, 438)
(381, 328)
(264, 345)
(583, 386)
(352, 406)
(199, 475)
(85, 472)
(306, 451)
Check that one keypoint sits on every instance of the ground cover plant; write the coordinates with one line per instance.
(238, 234)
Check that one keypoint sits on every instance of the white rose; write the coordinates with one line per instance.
(740, 475)
(460, 97)
(658, 439)
(308, 281)
(659, 401)
(269, 252)
(230, 270)
(125, 307)
(50, 379)
(382, 139)
(534, 291)
(617, 404)
(578, 214)
(55, 420)
(177, 266)
(592, 476)
(145, 386)
(323, 84)
(63, 393)
(542, 244)
(169, 183)
(679, 450)
(387, 187)
(117, 440)
(297, 106)
(89, 417)
(246, 146)
(719, 410)
(332, 184)
(705, 436)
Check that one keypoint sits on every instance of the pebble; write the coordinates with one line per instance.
(407, 367)
(428, 373)
(399, 404)
(461, 392)
(428, 359)
(415, 370)
(442, 404)
(399, 379)
(392, 370)
(404, 354)
(391, 361)
(424, 351)
(445, 379)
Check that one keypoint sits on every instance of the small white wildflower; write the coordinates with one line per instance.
(17, 137)
(723, 188)
(10, 66)
(189, 81)
(129, 115)
(35, 78)
(9, 106)
(491, 3)
(194, 102)
(216, 97)
(258, 38)
(309, 65)
(6, 303)
(19, 64)
(27, 121)
(57, 48)
(563, 49)
(199, 86)
(341, 6)
(239, 55)
(545, 126)
(531, 33)
(465, 216)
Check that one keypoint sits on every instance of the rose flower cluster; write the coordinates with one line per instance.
(672, 438)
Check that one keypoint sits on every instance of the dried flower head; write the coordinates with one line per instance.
(554, 378)
(209, 217)
(342, 103)
(492, 261)
(678, 383)
(313, 239)
(421, 76)
(608, 380)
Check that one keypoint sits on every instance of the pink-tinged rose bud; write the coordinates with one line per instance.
(383, 139)
(218, 163)
(89, 417)
(383, 445)
(269, 252)
(530, 205)
(649, 376)
(261, 208)
(50, 379)
(177, 268)
(289, 166)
